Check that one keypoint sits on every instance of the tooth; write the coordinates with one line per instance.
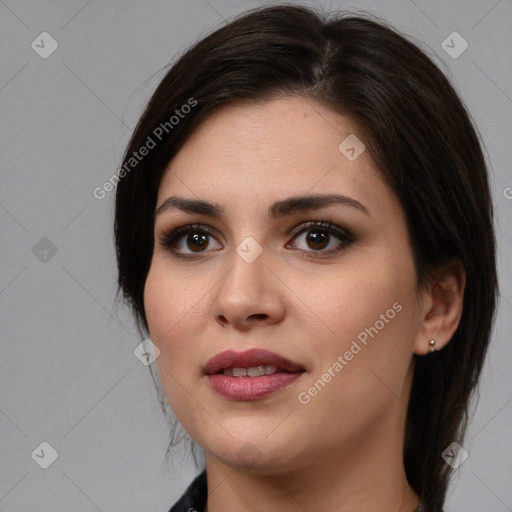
(240, 372)
(255, 371)
(269, 369)
(252, 371)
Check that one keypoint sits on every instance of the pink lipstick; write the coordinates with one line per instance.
(250, 375)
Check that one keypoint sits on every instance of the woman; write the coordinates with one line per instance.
(304, 230)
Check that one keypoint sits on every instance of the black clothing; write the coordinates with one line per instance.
(194, 498)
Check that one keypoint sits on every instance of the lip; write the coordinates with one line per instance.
(250, 388)
(247, 358)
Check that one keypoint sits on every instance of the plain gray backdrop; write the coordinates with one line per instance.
(68, 374)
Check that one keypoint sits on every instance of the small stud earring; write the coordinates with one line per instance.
(431, 347)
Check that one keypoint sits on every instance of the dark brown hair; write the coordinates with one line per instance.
(418, 133)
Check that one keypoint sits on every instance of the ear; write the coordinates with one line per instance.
(441, 307)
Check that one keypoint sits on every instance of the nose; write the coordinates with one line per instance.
(249, 295)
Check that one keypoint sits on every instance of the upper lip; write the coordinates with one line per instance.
(247, 359)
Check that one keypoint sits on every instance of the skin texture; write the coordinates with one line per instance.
(343, 449)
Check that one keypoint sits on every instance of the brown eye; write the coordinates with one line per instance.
(197, 242)
(187, 240)
(317, 240)
(321, 237)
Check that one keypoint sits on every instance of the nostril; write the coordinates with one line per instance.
(259, 316)
(222, 320)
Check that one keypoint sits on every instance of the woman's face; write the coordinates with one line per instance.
(319, 319)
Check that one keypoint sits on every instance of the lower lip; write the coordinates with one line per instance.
(251, 388)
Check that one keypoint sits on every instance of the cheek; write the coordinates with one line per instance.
(361, 296)
(171, 310)
(158, 304)
(370, 316)
(169, 298)
(171, 320)
(362, 367)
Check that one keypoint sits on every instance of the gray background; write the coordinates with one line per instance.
(68, 375)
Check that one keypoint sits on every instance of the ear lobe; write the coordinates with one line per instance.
(442, 308)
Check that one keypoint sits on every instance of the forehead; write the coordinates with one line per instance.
(269, 150)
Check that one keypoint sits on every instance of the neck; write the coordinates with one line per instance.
(368, 476)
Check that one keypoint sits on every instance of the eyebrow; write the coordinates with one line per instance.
(278, 209)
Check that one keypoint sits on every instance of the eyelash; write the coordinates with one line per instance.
(168, 239)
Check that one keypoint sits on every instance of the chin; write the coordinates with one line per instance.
(254, 453)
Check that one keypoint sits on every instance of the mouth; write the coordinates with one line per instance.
(250, 375)
(253, 363)
(252, 371)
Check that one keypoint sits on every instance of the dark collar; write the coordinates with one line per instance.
(194, 498)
